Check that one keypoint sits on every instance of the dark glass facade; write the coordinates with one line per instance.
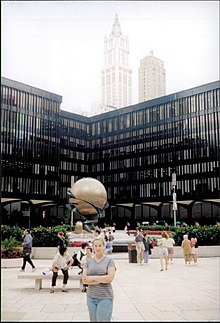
(133, 151)
(30, 142)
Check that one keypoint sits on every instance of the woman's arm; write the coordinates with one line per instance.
(94, 280)
(69, 264)
(53, 267)
(25, 243)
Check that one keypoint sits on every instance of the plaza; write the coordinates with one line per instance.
(142, 293)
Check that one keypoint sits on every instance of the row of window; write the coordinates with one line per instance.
(133, 153)
(29, 102)
(20, 185)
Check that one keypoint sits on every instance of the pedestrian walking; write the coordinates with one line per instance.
(170, 247)
(194, 248)
(162, 243)
(61, 241)
(147, 246)
(186, 249)
(27, 248)
(139, 247)
(108, 246)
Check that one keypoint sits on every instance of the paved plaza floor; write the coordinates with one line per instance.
(142, 293)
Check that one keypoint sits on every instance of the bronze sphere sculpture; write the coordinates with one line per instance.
(89, 196)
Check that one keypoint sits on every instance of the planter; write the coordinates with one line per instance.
(11, 254)
(11, 263)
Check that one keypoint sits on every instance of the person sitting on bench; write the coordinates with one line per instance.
(62, 261)
(78, 256)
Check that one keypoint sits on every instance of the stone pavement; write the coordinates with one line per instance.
(142, 293)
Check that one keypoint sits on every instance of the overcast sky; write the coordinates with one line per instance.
(58, 45)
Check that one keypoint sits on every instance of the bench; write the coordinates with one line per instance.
(39, 277)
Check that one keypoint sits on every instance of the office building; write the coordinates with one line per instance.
(133, 151)
(152, 78)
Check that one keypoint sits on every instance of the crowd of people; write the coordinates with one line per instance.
(166, 248)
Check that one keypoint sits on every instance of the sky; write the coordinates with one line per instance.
(58, 46)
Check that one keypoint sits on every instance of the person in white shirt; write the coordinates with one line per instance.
(62, 261)
(170, 245)
(162, 243)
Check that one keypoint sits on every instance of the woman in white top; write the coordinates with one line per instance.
(162, 243)
(62, 261)
(170, 245)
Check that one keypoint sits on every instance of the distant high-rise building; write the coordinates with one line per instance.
(116, 75)
(152, 78)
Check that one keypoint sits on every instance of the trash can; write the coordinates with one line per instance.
(132, 252)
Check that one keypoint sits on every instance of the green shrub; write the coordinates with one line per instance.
(47, 237)
(8, 231)
(206, 235)
(42, 237)
(10, 248)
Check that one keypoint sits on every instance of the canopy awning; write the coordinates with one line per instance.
(187, 202)
(35, 202)
(216, 201)
(9, 200)
(130, 205)
(49, 204)
(152, 203)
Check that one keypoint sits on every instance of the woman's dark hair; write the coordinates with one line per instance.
(84, 244)
(62, 250)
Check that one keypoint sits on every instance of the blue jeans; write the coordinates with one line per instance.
(100, 310)
(146, 256)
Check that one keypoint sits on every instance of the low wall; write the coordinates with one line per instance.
(203, 251)
(49, 252)
(11, 263)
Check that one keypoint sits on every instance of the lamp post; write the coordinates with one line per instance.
(174, 198)
(72, 216)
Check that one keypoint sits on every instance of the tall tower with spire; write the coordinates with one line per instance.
(116, 75)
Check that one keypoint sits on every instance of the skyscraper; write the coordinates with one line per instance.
(116, 75)
(152, 78)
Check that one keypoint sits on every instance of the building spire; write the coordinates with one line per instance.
(116, 28)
